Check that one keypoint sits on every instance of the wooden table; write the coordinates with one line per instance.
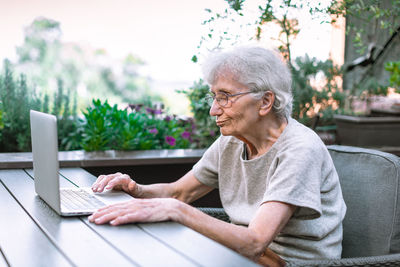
(32, 234)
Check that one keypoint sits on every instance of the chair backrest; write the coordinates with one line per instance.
(370, 185)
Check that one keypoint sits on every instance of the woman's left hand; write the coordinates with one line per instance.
(136, 210)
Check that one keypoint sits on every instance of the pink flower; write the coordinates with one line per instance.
(150, 111)
(153, 111)
(185, 135)
(153, 131)
(170, 140)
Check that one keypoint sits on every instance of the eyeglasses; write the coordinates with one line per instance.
(222, 97)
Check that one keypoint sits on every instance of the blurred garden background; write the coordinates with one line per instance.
(125, 75)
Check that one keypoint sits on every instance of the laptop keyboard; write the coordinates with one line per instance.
(79, 199)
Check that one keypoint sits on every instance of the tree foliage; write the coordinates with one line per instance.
(16, 100)
(369, 14)
(310, 97)
(46, 59)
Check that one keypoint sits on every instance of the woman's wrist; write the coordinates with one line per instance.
(177, 210)
(136, 191)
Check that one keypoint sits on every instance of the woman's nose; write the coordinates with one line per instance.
(215, 109)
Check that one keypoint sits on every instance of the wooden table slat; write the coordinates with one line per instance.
(189, 241)
(63, 181)
(78, 176)
(81, 245)
(145, 249)
(22, 241)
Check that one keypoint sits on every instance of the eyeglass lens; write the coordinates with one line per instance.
(222, 99)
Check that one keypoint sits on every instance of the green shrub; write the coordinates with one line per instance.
(394, 68)
(16, 99)
(68, 123)
(206, 131)
(308, 99)
(1, 122)
(134, 128)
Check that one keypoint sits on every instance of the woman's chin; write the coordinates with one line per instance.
(224, 131)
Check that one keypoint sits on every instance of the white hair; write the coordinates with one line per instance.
(259, 69)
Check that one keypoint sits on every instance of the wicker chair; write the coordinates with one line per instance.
(370, 182)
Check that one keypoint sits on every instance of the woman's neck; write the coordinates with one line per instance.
(263, 136)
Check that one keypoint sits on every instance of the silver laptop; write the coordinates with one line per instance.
(65, 201)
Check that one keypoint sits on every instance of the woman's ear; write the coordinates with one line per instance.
(268, 100)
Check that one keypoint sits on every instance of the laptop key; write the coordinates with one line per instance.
(79, 199)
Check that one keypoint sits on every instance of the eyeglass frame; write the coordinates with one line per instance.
(211, 97)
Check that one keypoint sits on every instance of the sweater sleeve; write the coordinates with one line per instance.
(296, 179)
(206, 169)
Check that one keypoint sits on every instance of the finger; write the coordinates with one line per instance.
(102, 211)
(119, 182)
(96, 183)
(120, 205)
(144, 210)
(102, 178)
(102, 184)
(107, 217)
(97, 214)
(131, 217)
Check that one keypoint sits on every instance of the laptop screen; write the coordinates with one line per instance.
(45, 157)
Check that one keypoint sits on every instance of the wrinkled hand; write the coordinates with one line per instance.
(116, 181)
(136, 210)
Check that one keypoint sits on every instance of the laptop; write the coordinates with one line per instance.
(65, 201)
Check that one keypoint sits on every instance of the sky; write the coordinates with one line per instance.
(163, 33)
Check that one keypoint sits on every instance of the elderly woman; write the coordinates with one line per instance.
(276, 179)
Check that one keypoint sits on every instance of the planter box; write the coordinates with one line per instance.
(80, 158)
(371, 132)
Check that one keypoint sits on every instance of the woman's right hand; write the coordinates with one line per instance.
(116, 181)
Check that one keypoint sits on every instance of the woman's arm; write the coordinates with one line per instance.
(251, 241)
(186, 189)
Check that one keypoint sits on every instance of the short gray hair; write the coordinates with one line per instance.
(259, 69)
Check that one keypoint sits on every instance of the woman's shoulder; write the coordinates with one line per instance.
(300, 136)
(229, 140)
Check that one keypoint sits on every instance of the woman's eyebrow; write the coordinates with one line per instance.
(223, 90)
